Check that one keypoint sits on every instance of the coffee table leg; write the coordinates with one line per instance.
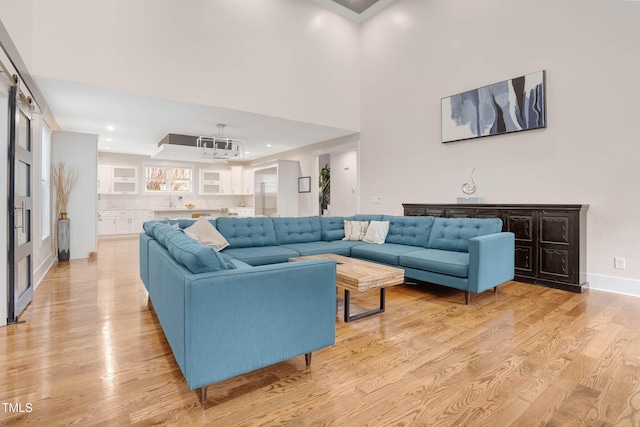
(347, 304)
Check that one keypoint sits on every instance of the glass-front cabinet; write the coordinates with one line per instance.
(215, 182)
(118, 179)
(124, 179)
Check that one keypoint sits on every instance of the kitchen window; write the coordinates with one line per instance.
(168, 179)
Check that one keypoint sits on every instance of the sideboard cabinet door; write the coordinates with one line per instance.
(557, 246)
(523, 225)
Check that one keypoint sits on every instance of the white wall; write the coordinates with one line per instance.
(344, 183)
(17, 18)
(43, 256)
(80, 150)
(285, 58)
(416, 52)
(308, 202)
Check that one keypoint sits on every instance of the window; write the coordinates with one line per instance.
(168, 179)
(45, 186)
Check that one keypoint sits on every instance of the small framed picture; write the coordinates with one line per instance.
(304, 184)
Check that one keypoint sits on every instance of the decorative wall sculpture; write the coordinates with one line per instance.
(469, 189)
(509, 106)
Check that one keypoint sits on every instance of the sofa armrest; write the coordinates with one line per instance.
(491, 260)
(144, 259)
(240, 320)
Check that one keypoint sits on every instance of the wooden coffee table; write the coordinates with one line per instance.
(360, 276)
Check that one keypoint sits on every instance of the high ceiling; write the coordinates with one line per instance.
(357, 10)
(140, 122)
(142, 119)
(358, 6)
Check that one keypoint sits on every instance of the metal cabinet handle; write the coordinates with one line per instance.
(23, 208)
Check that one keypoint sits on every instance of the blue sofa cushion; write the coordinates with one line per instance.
(247, 232)
(332, 235)
(453, 234)
(389, 253)
(297, 230)
(261, 255)
(438, 261)
(333, 227)
(195, 257)
(239, 265)
(180, 223)
(337, 247)
(186, 223)
(409, 230)
(367, 217)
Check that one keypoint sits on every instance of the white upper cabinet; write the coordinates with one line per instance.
(104, 179)
(236, 180)
(247, 181)
(118, 179)
(215, 182)
(222, 182)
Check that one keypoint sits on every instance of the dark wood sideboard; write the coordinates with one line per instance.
(551, 240)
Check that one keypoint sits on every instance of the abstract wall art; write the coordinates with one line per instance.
(509, 106)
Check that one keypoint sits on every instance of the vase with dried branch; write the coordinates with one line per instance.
(65, 178)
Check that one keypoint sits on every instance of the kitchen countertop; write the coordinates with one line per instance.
(196, 209)
(185, 209)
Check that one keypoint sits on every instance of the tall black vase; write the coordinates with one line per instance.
(64, 250)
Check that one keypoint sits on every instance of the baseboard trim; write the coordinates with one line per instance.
(616, 285)
(42, 270)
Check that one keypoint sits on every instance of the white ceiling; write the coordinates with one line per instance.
(140, 122)
(358, 6)
(356, 10)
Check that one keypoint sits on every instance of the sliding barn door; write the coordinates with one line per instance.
(20, 265)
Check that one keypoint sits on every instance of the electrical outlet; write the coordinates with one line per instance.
(376, 200)
(619, 263)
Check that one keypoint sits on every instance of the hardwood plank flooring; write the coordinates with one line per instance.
(92, 353)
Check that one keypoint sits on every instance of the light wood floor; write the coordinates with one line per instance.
(91, 353)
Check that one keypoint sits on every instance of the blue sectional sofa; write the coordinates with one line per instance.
(223, 317)
(229, 312)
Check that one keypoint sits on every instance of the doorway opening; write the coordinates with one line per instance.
(337, 172)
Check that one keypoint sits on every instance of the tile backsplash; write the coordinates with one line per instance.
(128, 201)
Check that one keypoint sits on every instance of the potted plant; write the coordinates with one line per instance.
(324, 183)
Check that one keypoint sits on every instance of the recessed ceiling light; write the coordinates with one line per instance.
(247, 152)
(109, 140)
(268, 145)
(110, 128)
(107, 148)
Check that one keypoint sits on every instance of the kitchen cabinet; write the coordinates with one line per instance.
(247, 181)
(236, 180)
(122, 222)
(551, 240)
(104, 179)
(211, 181)
(222, 182)
(226, 183)
(118, 179)
(106, 223)
(241, 212)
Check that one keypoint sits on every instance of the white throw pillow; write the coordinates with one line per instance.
(377, 232)
(355, 230)
(204, 232)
